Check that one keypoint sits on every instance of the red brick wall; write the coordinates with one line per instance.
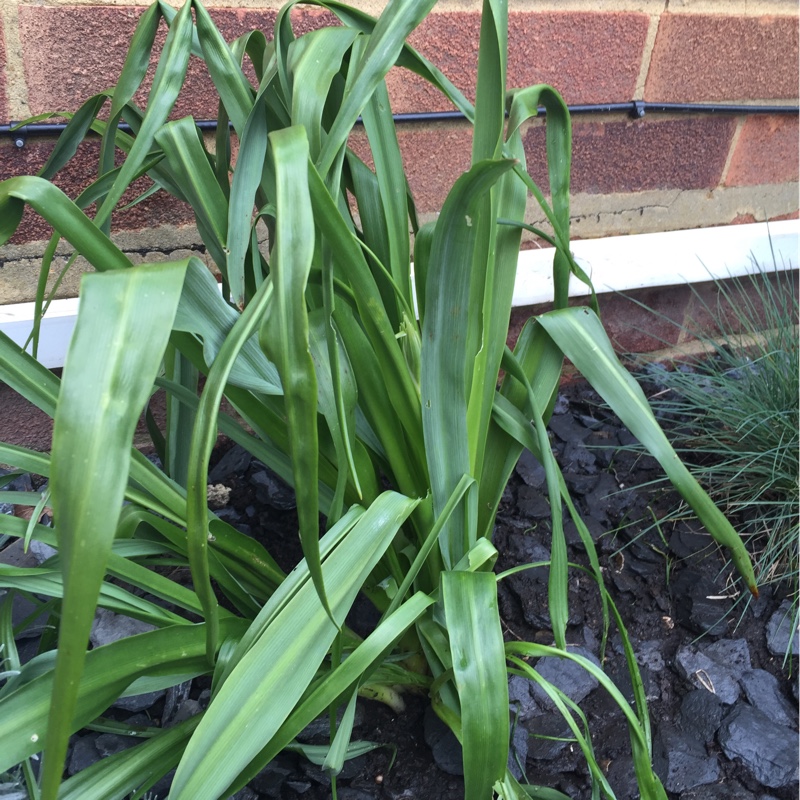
(661, 172)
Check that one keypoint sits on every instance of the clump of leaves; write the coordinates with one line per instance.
(348, 370)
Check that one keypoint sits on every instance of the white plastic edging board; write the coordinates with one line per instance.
(624, 263)
(617, 264)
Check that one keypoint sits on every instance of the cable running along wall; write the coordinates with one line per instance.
(634, 108)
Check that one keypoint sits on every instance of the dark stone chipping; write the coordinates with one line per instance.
(767, 749)
(762, 691)
(681, 762)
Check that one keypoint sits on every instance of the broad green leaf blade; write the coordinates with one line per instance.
(580, 335)
(109, 671)
(265, 686)
(246, 180)
(408, 57)
(479, 667)
(203, 313)
(525, 104)
(358, 666)
(541, 360)
(337, 401)
(497, 270)
(284, 333)
(448, 353)
(397, 384)
(233, 88)
(490, 93)
(115, 777)
(49, 201)
(337, 753)
(106, 383)
(203, 437)
(167, 83)
(72, 135)
(385, 45)
(130, 79)
(187, 159)
(314, 61)
(382, 134)
(49, 583)
(558, 603)
(180, 418)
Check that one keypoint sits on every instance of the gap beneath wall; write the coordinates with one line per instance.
(615, 264)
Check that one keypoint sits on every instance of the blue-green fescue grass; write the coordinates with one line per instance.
(732, 414)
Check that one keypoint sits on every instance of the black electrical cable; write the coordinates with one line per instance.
(635, 108)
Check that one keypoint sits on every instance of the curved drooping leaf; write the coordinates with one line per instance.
(580, 335)
(108, 671)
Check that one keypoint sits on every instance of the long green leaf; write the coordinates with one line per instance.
(49, 201)
(167, 83)
(385, 46)
(109, 671)
(115, 777)
(284, 333)
(106, 383)
(448, 349)
(479, 668)
(356, 667)
(246, 180)
(580, 335)
(234, 89)
(186, 157)
(264, 687)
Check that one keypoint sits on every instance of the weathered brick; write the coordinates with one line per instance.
(434, 157)
(71, 53)
(631, 327)
(3, 76)
(702, 58)
(158, 209)
(559, 48)
(634, 156)
(766, 152)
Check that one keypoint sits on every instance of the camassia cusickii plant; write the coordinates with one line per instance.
(348, 371)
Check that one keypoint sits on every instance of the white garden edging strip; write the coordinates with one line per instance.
(615, 264)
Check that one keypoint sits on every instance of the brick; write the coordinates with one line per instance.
(23, 424)
(559, 48)
(4, 112)
(766, 152)
(635, 156)
(703, 58)
(70, 53)
(158, 209)
(434, 157)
